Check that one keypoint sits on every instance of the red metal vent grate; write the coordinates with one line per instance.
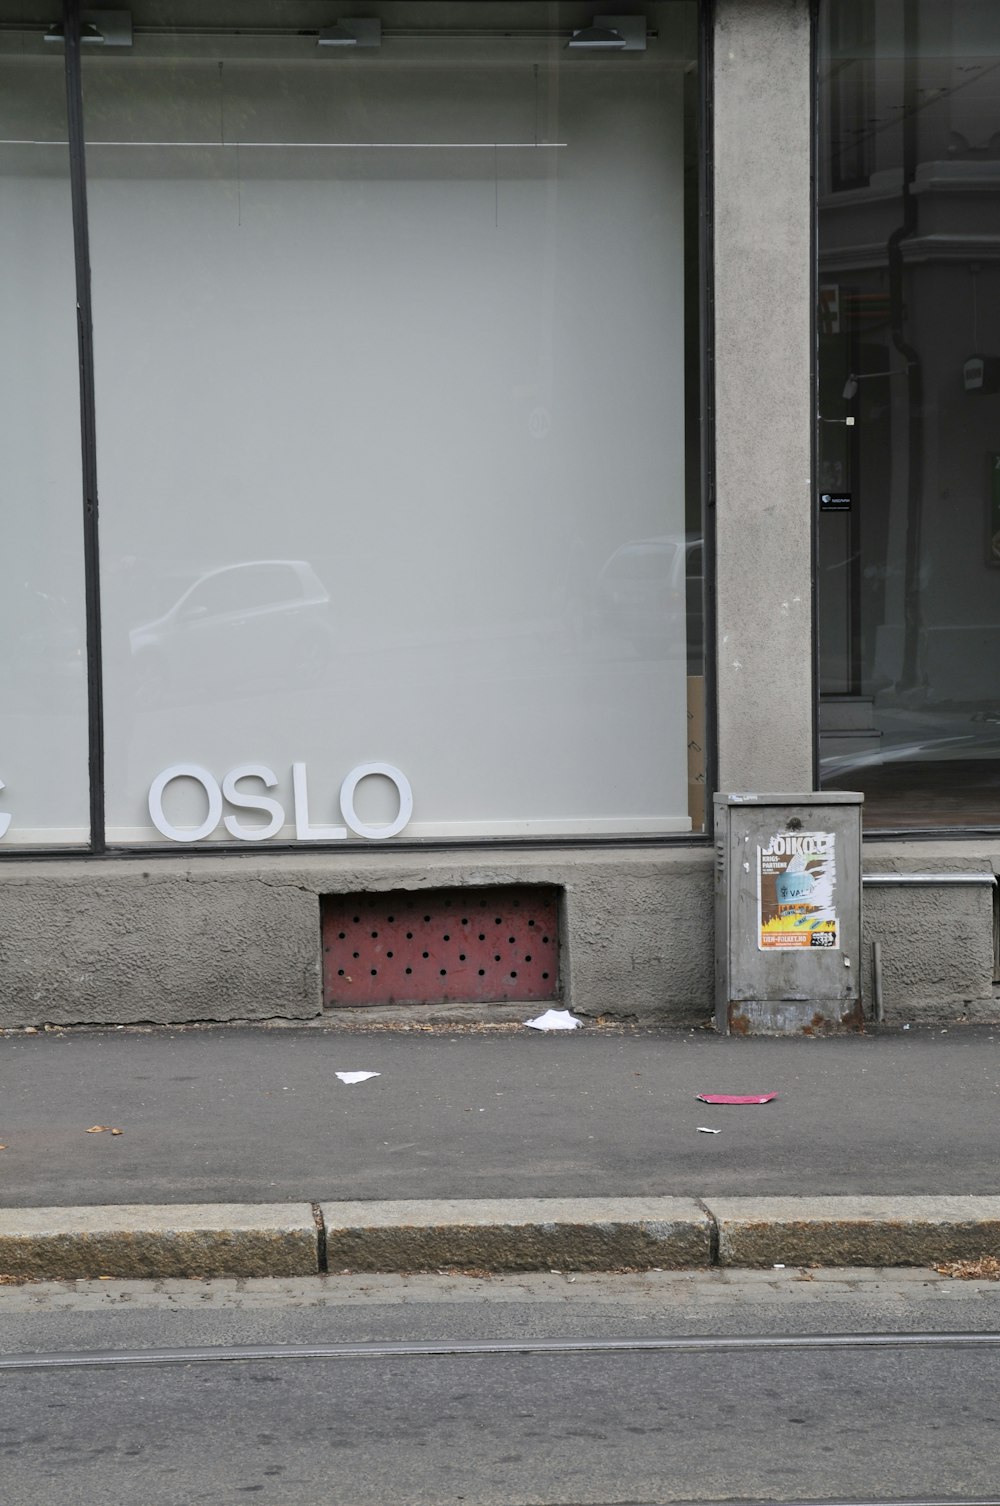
(441, 946)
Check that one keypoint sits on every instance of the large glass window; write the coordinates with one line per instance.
(393, 368)
(43, 666)
(909, 432)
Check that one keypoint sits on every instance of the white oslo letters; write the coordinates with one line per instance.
(243, 799)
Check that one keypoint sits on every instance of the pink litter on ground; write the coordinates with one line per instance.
(736, 1097)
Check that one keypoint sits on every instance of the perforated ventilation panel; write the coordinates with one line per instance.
(441, 946)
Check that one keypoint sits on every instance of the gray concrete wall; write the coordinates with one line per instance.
(937, 940)
(763, 403)
(126, 940)
(120, 941)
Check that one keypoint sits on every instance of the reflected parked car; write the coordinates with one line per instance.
(650, 592)
(238, 627)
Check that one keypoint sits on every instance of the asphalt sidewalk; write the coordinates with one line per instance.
(246, 1134)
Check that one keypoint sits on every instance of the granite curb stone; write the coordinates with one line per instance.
(518, 1234)
(141, 1241)
(512, 1234)
(852, 1231)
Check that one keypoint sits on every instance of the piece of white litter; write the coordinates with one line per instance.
(703, 1129)
(778, 1268)
(356, 1076)
(554, 1019)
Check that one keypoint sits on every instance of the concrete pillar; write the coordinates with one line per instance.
(763, 334)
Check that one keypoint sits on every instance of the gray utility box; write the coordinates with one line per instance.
(788, 913)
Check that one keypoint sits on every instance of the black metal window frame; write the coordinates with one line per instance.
(98, 845)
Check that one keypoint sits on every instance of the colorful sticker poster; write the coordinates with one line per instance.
(796, 883)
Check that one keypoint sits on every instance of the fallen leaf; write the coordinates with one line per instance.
(3, 1147)
(97, 1129)
(985, 1269)
(117, 1132)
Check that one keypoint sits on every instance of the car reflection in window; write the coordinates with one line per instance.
(649, 593)
(235, 631)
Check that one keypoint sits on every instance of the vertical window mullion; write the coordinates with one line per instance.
(88, 427)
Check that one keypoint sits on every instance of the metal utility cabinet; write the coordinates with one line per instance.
(788, 913)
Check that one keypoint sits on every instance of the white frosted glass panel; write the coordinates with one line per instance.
(391, 435)
(43, 678)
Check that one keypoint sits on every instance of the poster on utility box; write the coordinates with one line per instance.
(796, 885)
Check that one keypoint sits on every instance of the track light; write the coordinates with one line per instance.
(351, 31)
(98, 28)
(611, 34)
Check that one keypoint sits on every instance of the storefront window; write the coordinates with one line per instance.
(909, 431)
(396, 374)
(43, 668)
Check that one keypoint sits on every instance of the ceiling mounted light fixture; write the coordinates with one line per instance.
(351, 31)
(611, 34)
(98, 28)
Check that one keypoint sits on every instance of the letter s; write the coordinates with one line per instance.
(252, 803)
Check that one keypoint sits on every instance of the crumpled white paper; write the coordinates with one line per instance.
(356, 1076)
(554, 1019)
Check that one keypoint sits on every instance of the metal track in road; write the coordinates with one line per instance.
(377, 1350)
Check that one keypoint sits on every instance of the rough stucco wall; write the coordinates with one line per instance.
(763, 412)
(937, 942)
(937, 949)
(120, 941)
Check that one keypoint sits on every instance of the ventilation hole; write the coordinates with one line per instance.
(511, 940)
(482, 935)
(357, 920)
(409, 970)
(496, 957)
(465, 920)
(482, 972)
(513, 975)
(388, 954)
(446, 938)
(444, 972)
(409, 935)
(499, 920)
(390, 918)
(326, 949)
(355, 955)
(374, 934)
(341, 935)
(527, 956)
(544, 940)
(340, 972)
(426, 954)
(374, 972)
(427, 919)
(531, 922)
(544, 975)
(461, 956)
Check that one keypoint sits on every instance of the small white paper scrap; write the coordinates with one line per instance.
(703, 1129)
(356, 1076)
(554, 1019)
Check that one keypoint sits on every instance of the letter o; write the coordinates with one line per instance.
(362, 828)
(208, 783)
